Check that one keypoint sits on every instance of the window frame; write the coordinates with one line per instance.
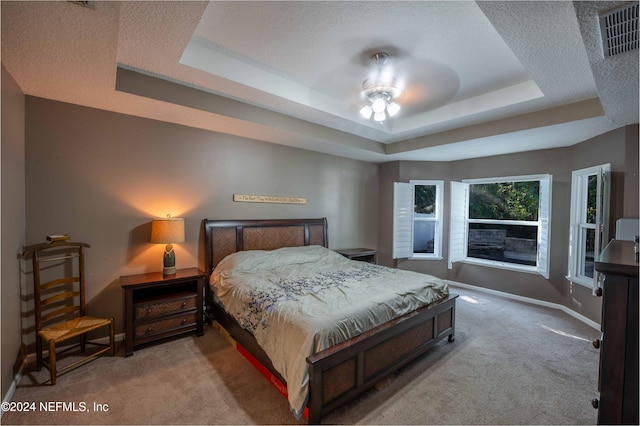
(578, 211)
(404, 220)
(459, 224)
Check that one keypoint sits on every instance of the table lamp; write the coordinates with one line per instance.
(169, 230)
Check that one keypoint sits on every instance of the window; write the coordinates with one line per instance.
(588, 228)
(417, 219)
(501, 222)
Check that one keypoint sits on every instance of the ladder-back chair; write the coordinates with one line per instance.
(59, 298)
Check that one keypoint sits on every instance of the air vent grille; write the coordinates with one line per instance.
(84, 3)
(619, 29)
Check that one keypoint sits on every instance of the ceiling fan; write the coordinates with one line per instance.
(380, 91)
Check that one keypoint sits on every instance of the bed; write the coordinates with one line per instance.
(338, 373)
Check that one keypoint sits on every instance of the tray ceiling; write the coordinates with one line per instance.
(477, 78)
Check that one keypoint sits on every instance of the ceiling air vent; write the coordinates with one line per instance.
(84, 3)
(619, 29)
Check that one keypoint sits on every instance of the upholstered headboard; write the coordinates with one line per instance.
(223, 237)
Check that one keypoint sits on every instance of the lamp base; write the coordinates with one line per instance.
(169, 270)
(169, 261)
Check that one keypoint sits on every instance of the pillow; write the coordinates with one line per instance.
(257, 260)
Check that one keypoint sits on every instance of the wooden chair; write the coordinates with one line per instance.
(60, 305)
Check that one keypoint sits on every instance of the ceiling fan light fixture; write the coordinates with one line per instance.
(378, 105)
(381, 103)
(379, 116)
(392, 109)
(366, 112)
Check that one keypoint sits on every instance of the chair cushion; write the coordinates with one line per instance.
(72, 328)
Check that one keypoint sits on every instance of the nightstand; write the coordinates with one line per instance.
(361, 254)
(158, 306)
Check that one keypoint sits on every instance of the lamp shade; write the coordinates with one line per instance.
(167, 230)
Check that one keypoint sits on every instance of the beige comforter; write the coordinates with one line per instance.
(300, 300)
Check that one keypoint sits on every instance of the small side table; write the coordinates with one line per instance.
(158, 306)
(361, 254)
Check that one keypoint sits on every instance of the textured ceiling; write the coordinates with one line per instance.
(478, 78)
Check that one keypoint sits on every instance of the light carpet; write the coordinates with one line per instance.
(511, 363)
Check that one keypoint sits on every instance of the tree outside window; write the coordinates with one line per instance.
(424, 219)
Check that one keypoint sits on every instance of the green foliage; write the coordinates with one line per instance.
(592, 195)
(425, 199)
(504, 201)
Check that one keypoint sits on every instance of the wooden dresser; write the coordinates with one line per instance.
(618, 377)
(158, 306)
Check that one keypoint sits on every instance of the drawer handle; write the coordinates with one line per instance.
(184, 305)
(595, 403)
(596, 343)
(149, 329)
(149, 310)
(184, 320)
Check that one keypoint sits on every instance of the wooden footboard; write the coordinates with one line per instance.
(340, 373)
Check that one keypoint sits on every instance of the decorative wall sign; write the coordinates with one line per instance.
(268, 199)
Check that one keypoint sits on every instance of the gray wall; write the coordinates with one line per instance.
(13, 225)
(631, 177)
(612, 147)
(101, 177)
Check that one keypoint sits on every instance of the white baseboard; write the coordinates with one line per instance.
(31, 357)
(14, 384)
(562, 308)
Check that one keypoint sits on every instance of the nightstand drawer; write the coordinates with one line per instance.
(164, 325)
(164, 307)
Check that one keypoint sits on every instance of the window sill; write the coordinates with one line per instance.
(424, 257)
(502, 265)
(574, 280)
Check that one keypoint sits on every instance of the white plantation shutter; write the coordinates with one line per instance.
(458, 222)
(602, 218)
(403, 194)
(544, 216)
(577, 207)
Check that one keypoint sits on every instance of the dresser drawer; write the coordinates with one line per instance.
(165, 325)
(164, 307)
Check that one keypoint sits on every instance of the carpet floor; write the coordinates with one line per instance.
(511, 363)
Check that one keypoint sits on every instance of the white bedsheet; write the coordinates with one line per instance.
(300, 300)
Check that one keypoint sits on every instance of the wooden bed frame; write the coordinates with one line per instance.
(342, 372)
